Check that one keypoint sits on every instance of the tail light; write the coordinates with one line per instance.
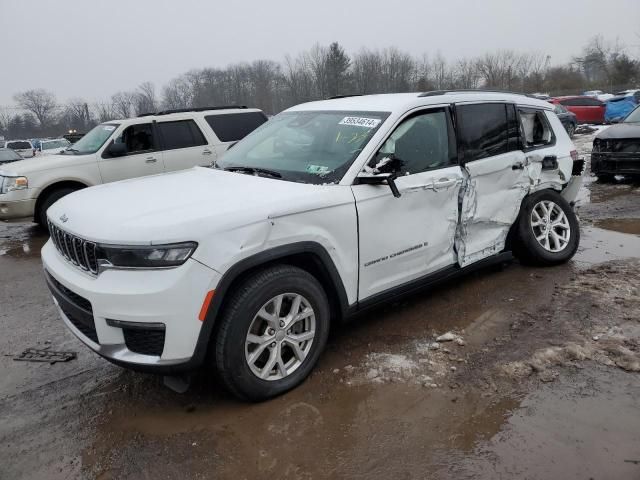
(574, 155)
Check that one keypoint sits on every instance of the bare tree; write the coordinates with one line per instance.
(145, 98)
(122, 104)
(40, 102)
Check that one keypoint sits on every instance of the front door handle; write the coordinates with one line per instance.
(517, 166)
(151, 160)
(445, 183)
(206, 151)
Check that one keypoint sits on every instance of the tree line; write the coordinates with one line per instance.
(325, 71)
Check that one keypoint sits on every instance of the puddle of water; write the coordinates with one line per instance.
(623, 225)
(21, 240)
(584, 427)
(598, 245)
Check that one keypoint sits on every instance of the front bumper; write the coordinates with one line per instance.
(104, 312)
(615, 163)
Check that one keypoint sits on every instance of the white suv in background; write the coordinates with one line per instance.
(329, 208)
(24, 148)
(122, 149)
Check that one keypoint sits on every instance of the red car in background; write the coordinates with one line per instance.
(586, 109)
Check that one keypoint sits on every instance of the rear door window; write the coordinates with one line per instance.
(232, 127)
(536, 131)
(484, 130)
(180, 134)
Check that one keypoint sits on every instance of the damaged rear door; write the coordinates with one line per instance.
(496, 178)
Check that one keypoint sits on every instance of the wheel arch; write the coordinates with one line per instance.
(59, 184)
(309, 256)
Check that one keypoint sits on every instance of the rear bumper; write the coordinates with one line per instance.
(142, 320)
(615, 163)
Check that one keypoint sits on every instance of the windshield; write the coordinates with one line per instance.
(634, 116)
(20, 145)
(8, 155)
(93, 140)
(307, 147)
(53, 144)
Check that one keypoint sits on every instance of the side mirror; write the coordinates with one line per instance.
(117, 149)
(365, 178)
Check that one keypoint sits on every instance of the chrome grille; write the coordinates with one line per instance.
(76, 250)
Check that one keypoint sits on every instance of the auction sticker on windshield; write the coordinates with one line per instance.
(109, 128)
(361, 122)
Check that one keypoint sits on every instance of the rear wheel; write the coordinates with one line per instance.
(271, 333)
(50, 199)
(547, 230)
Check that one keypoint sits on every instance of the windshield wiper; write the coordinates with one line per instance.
(74, 150)
(254, 171)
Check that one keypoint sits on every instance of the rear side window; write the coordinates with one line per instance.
(19, 145)
(180, 134)
(484, 130)
(536, 131)
(232, 127)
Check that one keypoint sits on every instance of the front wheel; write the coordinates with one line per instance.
(271, 332)
(547, 230)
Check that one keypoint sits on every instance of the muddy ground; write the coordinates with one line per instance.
(540, 381)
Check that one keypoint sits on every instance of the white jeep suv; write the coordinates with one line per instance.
(327, 209)
(120, 149)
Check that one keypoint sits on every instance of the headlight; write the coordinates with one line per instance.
(154, 256)
(9, 184)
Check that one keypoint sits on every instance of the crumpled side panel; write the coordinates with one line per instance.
(490, 201)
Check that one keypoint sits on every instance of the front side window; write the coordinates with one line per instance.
(308, 147)
(231, 127)
(137, 138)
(559, 109)
(420, 143)
(180, 134)
(483, 130)
(93, 140)
(536, 131)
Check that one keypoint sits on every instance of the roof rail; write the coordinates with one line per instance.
(435, 93)
(195, 109)
(345, 96)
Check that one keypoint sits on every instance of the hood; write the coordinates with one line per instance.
(620, 130)
(47, 162)
(188, 205)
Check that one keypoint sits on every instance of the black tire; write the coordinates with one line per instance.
(606, 178)
(247, 299)
(527, 248)
(51, 198)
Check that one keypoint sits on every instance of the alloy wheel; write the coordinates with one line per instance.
(550, 226)
(280, 336)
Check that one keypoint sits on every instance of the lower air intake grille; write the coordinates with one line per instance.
(145, 342)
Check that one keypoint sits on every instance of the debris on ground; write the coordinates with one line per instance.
(48, 356)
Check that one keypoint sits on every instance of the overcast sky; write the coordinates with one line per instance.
(93, 48)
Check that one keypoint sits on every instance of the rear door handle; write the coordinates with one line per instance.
(517, 166)
(151, 160)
